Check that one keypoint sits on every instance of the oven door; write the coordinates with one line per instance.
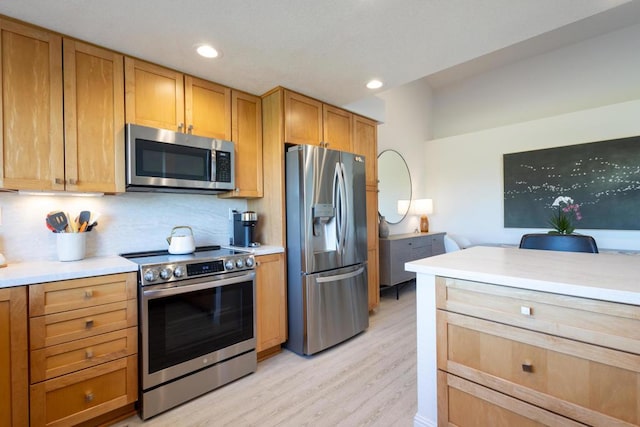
(195, 325)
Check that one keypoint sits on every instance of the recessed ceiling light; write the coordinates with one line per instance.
(374, 84)
(207, 51)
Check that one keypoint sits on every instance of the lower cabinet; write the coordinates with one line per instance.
(83, 345)
(14, 374)
(271, 304)
(507, 355)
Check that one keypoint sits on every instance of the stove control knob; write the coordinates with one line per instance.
(150, 275)
(166, 273)
(228, 265)
(249, 262)
(179, 271)
(239, 263)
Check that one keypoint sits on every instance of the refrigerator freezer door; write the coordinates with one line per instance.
(335, 308)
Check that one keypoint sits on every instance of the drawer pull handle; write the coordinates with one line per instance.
(88, 324)
(88, 397)
(526, 311)
(527, 367)
(88, 353)
(88, 293)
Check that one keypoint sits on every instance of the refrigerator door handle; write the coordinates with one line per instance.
(340, 276)
(345, 205)
(337, 202)
(342, 216)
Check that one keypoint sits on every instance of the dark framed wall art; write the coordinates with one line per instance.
(602, 177)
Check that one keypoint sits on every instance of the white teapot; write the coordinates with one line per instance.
(181, 242)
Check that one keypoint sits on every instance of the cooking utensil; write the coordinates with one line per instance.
(83, 220)
(58, 220)
(180, 242)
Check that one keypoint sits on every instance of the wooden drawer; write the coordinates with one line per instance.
(65, 295)
(594, 385)
(59, 328)
(466, 404)
(51, 362)
(86, 394)
(603, 323)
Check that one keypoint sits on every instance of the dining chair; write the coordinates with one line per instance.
(559, 242)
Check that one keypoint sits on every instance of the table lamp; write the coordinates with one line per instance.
(423, 207)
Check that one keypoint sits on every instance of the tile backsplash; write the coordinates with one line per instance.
(128, 222)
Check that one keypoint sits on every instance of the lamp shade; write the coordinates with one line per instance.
(423, 206)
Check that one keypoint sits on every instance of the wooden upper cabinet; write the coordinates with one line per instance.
(303, 119)
(93, 131)
(31, 143)
(162, 98)
(246, 120)
(337, 128)
(365, 142)
(207, 108)
(154, 95)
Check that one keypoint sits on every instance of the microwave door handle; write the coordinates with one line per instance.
(212, 166)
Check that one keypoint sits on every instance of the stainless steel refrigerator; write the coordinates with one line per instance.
(326, 247)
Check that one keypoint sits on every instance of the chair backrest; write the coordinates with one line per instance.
(559, 242)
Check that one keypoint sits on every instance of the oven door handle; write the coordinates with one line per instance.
(176, 290)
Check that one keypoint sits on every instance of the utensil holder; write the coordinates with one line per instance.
(71, 246)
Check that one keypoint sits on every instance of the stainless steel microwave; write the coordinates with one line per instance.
(167, 161)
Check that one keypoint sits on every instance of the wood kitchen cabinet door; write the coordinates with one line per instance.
(154, 96)
(246, 121)
(337, 128)
(93, 131)
(207, 108)
(373, 260)
(31, 142)
(14, 381)
(303, 119)
(271, 302)
(365, 142)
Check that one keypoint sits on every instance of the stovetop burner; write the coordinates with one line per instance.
(157, 267)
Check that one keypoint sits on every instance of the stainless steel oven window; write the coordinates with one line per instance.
(195, 325)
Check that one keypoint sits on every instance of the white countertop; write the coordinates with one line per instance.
(604, 276)
(27, 273)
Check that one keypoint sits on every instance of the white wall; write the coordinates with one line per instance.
(599, 71)
(406, 126)
(129, 222)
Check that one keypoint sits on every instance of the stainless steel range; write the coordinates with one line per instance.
(196, 323)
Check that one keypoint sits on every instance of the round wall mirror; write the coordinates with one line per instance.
(394, 184)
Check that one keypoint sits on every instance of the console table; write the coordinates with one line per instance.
(397, 249)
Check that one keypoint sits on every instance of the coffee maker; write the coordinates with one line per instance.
(244, 225)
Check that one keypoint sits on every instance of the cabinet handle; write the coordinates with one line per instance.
(190, 129)
(527, 366)
(526, 311)
(88, 293)
(88, 324)
(73, 181)
(88, 353)
(59, 181)
(180, 127)
(88, 397)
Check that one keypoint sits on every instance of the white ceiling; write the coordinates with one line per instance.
(327, 49)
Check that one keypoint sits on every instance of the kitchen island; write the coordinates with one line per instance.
(516, 336)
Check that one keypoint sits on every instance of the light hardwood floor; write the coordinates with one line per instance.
(369, 380)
